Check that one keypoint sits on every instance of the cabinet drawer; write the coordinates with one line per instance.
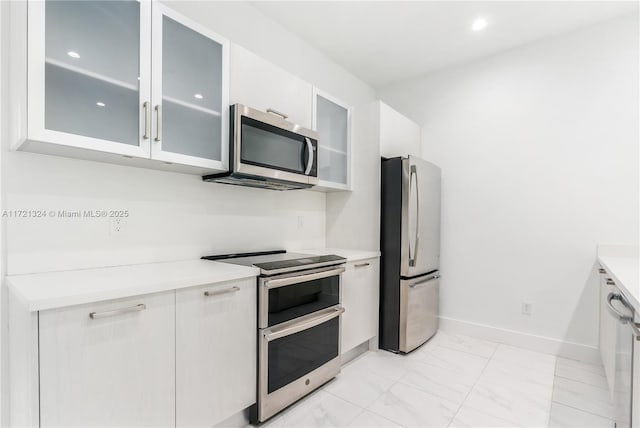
(109, 363)
(216, 353)
(360, 294)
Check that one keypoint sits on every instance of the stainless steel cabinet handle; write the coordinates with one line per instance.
(610, 281)
(412, 260)
(297, 327)
(621, 317)
(275, 283)
(602, 270)
(636, 330)
(624, 319)
(158, 123)
(147, 120)
(219, 292)
(277, 113)
(310, 161)
(359, 265)
(105, 314)
(424, 281)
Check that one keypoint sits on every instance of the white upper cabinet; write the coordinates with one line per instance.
(332, 120)
(190, 92)
(88, 74)
(259, 84)
(88, 93)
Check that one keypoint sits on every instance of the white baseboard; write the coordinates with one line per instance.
(547, 345)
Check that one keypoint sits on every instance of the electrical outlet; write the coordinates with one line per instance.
(527, 307)
(116, 225)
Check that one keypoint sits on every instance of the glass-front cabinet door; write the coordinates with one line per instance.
(190, 92)
(89, 74)
(331, 119)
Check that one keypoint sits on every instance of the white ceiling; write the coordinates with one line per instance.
(382, 42)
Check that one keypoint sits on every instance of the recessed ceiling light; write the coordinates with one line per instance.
(73, 54)
(100, 104)
(198, 96)
(479, 24)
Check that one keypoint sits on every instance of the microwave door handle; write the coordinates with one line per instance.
(310, 158)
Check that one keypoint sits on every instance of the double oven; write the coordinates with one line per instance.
(299, 326)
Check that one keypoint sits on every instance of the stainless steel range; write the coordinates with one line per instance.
(299, 325)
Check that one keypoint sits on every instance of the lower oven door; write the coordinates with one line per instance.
(297, 357)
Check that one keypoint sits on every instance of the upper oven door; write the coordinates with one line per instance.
(286, 297)
(266, 145)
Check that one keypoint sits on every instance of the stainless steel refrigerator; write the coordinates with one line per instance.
(410, 245)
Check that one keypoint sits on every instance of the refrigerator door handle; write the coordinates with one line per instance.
(412, 259)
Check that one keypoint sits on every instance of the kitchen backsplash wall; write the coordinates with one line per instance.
(170, 216)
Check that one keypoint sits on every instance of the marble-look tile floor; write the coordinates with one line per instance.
(457, 381)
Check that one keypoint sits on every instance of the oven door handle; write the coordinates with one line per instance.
(275, 283)
(324, 316)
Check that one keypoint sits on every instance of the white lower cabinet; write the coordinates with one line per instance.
(635, 418)
(215, 352)
(608, 331)
(360, 294)
(109, 363)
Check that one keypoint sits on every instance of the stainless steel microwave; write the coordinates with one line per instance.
(267, 151)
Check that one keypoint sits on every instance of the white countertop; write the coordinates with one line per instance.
(51, 290)
(624, 268)
(350, 255)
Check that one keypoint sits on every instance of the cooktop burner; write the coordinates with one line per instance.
(279, 261)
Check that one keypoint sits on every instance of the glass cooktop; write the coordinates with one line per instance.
(279, 261)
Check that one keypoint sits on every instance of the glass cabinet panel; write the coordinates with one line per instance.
(332, 123)
(92, 69)
(192, 92)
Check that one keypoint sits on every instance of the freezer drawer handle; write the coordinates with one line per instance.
(424, 281)
(274, 334)
(219, 292)
(105, 314)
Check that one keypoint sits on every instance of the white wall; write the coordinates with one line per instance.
(353, 218)
(399, 135)
(4, 364)
(539, 154)
(173, 216)
(250, 28)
